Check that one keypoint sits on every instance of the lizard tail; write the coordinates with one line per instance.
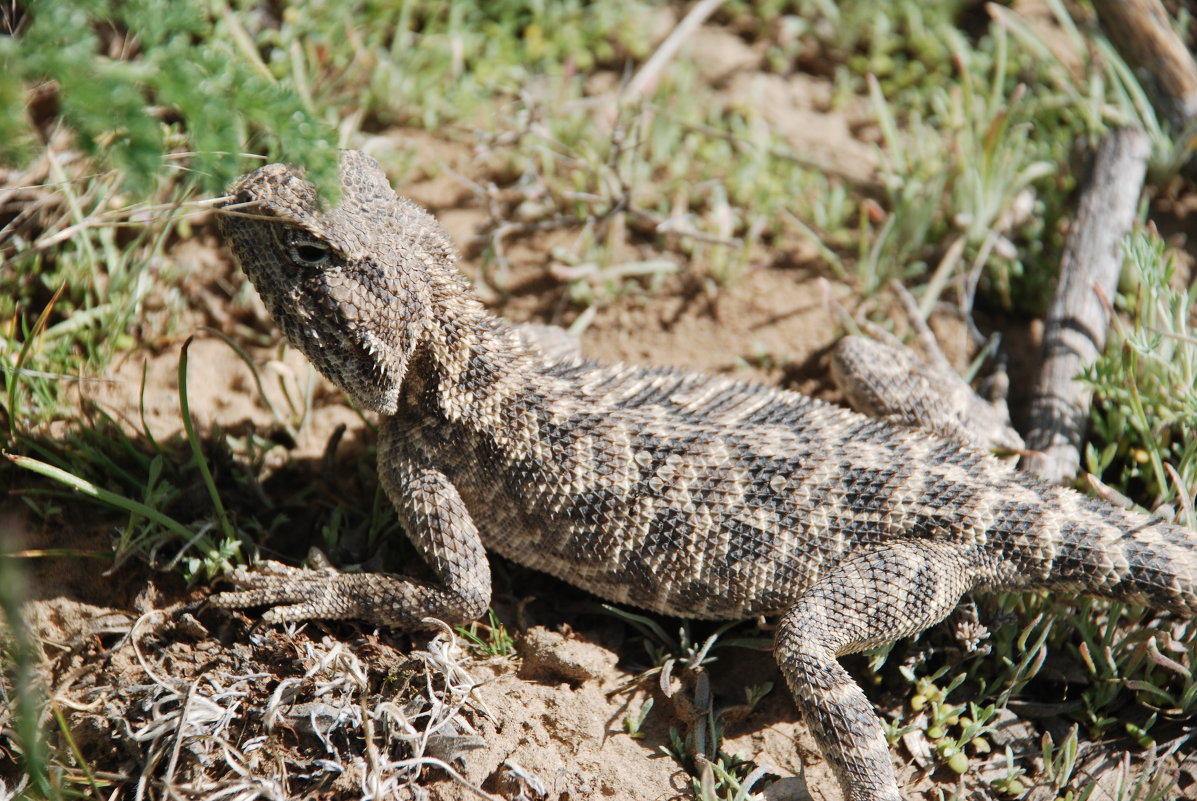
(1078, 544)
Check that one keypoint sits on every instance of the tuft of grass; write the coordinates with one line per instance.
(429, 63)
(1132, 685)
(1144, 418)
(23, 698)
(715, 774)
(488, 639)
(74, 294)
(975, 167)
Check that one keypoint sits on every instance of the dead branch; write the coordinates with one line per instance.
(1075, 330)
(646, 77)
(1143, 34)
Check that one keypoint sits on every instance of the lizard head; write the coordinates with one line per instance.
(351, 287)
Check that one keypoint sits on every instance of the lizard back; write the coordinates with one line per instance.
(704, 496)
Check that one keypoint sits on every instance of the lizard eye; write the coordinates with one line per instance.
(309, 252)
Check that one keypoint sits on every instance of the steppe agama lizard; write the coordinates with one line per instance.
(682, 493)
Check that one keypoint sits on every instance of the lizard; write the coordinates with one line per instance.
(678, 492)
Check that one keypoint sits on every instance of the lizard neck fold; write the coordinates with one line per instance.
(477, 364)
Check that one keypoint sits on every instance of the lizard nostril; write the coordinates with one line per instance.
(240, 199)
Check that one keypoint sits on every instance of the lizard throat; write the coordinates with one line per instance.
(478, 368)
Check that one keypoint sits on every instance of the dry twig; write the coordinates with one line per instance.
(1075, 330)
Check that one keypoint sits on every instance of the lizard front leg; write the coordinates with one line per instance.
(436, 521)
(873, 597)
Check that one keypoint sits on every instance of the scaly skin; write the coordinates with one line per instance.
(678, 492)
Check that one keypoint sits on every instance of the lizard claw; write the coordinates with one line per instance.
(293, 593)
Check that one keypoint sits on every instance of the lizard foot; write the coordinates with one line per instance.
(295, 594)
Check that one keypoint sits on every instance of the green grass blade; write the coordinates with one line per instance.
(193, 441)
(99, 493)
(12, 377)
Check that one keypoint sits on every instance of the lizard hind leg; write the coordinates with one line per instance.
(874, 596)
